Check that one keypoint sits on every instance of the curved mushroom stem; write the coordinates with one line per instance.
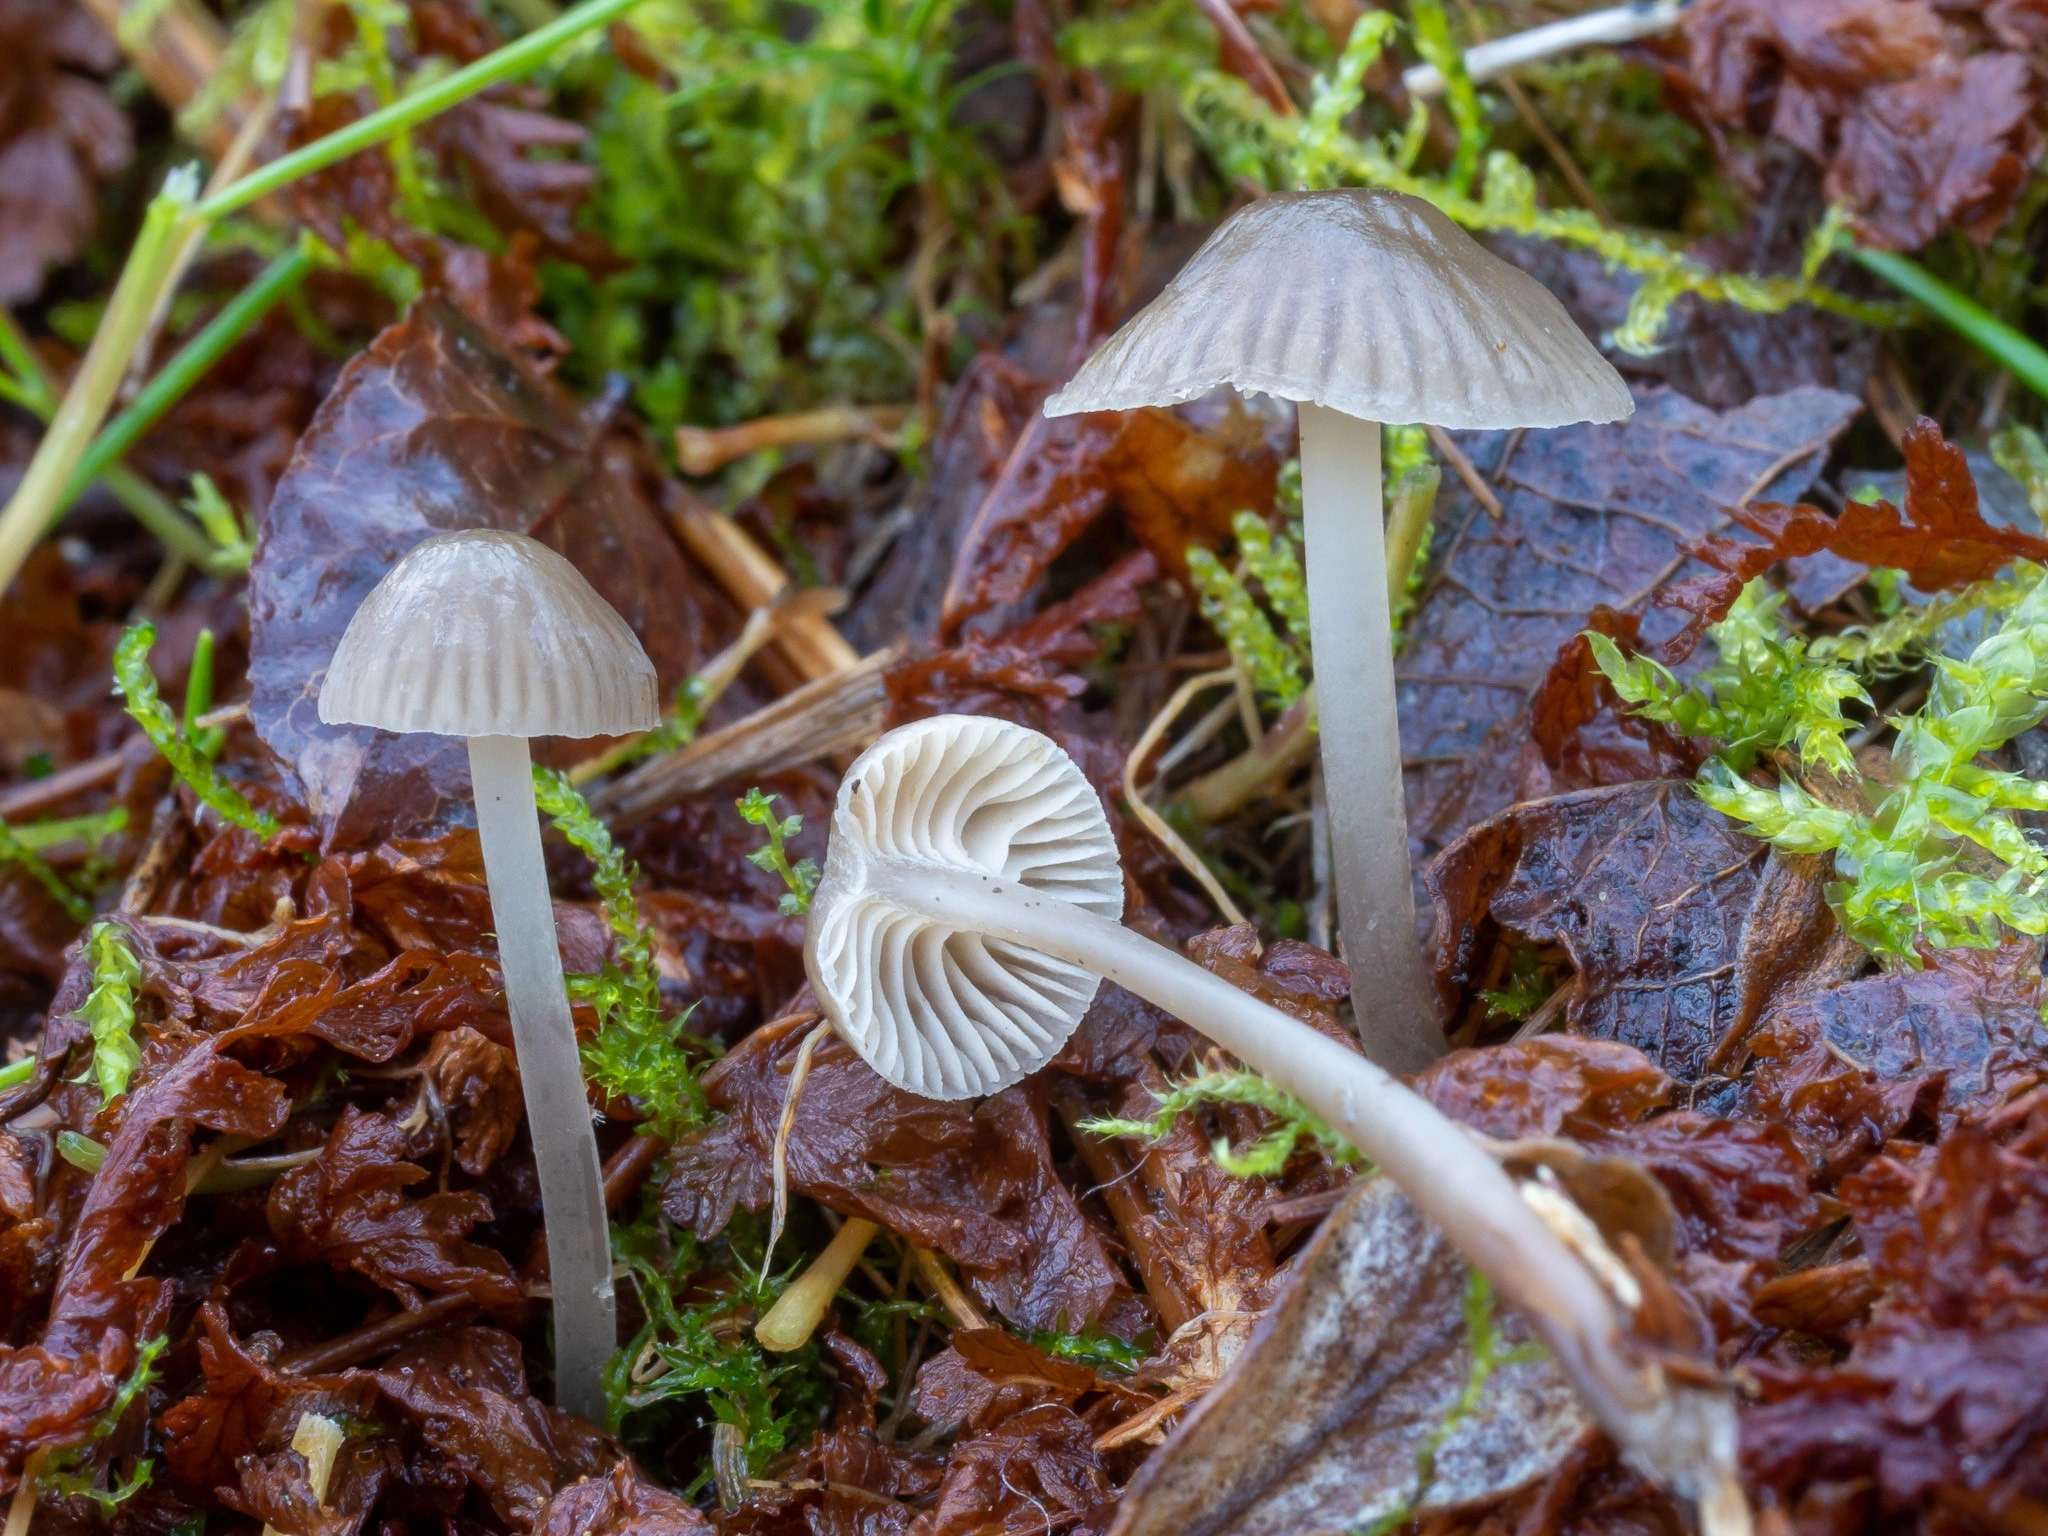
(1436, 1164)
(1352, 631)
(550, 1072)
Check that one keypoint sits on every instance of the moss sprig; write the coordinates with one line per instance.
(109, 1010)
(801, 878)
(1939, 858)
(1264, 1158)
(637, 1053)
(137, 685)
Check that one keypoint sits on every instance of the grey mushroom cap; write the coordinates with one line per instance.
(1371, 303)
(486, 633)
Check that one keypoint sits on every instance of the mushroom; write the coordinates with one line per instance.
(494, 637)
(1362, 307)
(970, 902)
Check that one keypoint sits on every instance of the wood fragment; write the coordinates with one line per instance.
(940, 1282)
(1105, 1163)
(834, 714)
(317, 1438)
(368, 1342)
(1454, 456)
(706, 450)
(752, 579)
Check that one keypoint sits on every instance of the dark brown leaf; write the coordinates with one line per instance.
(1647, 888)
(60, 137)
(478, 1084)
(1345, 1380)
(1944, 1396)
(348, 1208)
(277, 1490)
(466, 1394)
(976, 1183)
(1970, 1019)
(436, 427)
(1917, 132)
(248, 1406)
(1939, 538)
(619, 1504)
(1034, 1470)
(1177, 484)
(1596, 516)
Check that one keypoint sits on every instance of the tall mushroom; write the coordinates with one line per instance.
(1362, 307)
(496, 638)
(969, 903)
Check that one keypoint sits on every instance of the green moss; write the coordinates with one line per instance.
(1265, 1157)
(637, 1053)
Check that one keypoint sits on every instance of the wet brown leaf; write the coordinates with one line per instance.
(1647, 889)
(437, 427)
(1969, 1022)
(278, 1490)
(1595, 516)
(618, 1505)
(1939, 538)
(60, 137)
(1918, 133)
(975, 1182)
(348, 1208)
(1944, 1395)
(1176, 483)
(1346, 1378)
(465, 1392)
(478, 1083)
(1036, 1468)
(248, 1406)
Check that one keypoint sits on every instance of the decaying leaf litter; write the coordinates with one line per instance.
(1717, 724)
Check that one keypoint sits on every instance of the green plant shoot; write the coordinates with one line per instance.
(109, 1010)
(757, 809)
(137, 684)
(1265, 1157)
(636, 1054)
(1490, 1351)
(62, 1476)
(18, 850)
(1912, 869)
(1764, 692)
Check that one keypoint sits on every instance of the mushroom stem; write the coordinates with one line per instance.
(1437, 1165)
(796, 1314)
(550, 1071)
(1352, 631)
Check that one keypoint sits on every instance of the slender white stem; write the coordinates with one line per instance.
(550, 1072)
(1617, 24)
(1436, 1164)
(1352, 632)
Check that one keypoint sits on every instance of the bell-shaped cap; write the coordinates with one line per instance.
(485, 633)
(944, 1012)
(1371, 303)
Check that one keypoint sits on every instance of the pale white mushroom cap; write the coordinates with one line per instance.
(485, 633)
(942, 1012)
(1372, 303)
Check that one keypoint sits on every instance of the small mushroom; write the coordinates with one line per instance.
(1362, 307)
(970, 901)
(494, 637)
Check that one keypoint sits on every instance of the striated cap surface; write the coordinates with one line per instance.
(486, 633)
(946, 1012)
(1371, 303)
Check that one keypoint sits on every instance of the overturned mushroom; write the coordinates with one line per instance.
(970, 901)
(1363, 307)
(494, 637)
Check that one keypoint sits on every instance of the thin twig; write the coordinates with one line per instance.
(1150, 819)
(1461, 466)
(706, 450)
